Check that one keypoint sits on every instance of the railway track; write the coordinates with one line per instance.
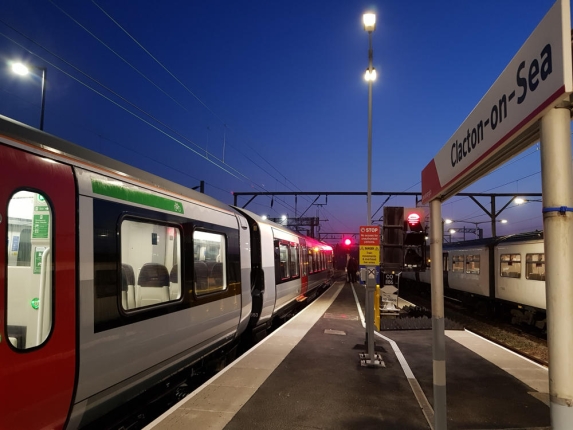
(504, 334)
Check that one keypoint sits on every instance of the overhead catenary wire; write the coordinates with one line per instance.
(284, 180)
(120, 106)
(140, 45)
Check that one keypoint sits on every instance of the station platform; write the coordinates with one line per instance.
(307, 375)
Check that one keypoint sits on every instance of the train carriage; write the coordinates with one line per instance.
(507, 272)
(114, 279)
(77, 231)
(520, 271)
(287, 268)
(468, 268)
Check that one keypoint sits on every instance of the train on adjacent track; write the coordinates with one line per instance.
(113, 280)
(504, 275)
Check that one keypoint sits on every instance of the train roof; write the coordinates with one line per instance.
(518, 237)
(77, 155)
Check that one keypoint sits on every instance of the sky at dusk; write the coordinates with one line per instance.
(253, 96)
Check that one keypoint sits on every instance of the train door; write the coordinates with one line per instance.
(38, 297)
(303, 267)
(445, 257)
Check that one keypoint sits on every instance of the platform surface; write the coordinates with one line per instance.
(307, 375)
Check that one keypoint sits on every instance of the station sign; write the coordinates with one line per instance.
(370, 235)
(505, 121)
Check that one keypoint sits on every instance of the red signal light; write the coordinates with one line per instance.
(347, 242)
(414, 219)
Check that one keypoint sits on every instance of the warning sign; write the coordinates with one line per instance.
(370, 235)
(369, 255)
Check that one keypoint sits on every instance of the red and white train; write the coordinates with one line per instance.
(114, 279)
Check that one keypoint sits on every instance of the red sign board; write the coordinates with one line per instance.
(370, 235)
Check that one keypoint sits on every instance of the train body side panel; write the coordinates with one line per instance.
(268, 266)
(245, 250)
(465, 278)
(286, 291)
(513, 285)
(119, 362)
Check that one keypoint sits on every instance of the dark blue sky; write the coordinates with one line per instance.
(272, 92)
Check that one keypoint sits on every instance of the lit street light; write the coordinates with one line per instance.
(23, 70)
(370, 76)
(521, 200)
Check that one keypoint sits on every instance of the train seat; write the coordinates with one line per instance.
(152, 285)
(216, 277)
(127, 286)
(201, 276)
(174, 287)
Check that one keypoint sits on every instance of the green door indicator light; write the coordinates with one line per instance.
(35, 302)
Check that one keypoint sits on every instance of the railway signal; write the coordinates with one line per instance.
(414, 239)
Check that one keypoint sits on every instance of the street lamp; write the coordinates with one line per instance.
(370, 76)
(23, 70)
(521, 200)
(369, 20)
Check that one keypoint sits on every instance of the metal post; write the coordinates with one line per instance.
(557, 183)
(44, 73)
(493, 216)
(370, 288)
(369, 294)
(370, 278)
(438, 336)
(369, 191)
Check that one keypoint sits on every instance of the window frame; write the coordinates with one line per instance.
(224, 258)
(155, 222)
(510, 262)
(458, 259)
(473, 258)
(537, 263)
(21, 329)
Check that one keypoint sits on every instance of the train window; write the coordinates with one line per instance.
(304, 255)
(210, 262)
(283, 261)
(445, 261)
(150, 264)
(29, 273)
(310, 261)
(535, 267)
(472, 264)
(510, 265)
(457, 263)
(294, 260)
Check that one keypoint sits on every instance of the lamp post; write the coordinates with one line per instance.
(23, 70)
(369, 20)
